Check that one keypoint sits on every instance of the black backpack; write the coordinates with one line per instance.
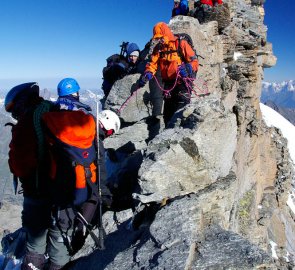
(115, 69)
(187, 37)
(115, 59)
(182, 36)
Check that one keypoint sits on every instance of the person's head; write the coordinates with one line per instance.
(132, 52)
(109, 122)
(22, 98)
(68, 86)
(176, 3)
(162, 33)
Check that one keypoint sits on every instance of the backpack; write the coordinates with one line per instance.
(187, 37)
(71, 140)
(180, 37)
(109, 71)
(115, 68)
(27, 140)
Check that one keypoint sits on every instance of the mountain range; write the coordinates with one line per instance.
(280, 97)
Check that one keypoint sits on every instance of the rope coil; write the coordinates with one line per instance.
(190, 83)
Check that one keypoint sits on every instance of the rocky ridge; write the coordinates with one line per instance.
(213, 187)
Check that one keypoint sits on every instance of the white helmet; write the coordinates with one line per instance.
(109, 120)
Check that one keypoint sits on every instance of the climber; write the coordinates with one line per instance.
(175, 69)
(202, 7)
(26, 106)
(45, 213)
(180, 8)
(120, 65)
(68, 96)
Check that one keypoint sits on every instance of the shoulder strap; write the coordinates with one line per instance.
(44, 106)
(179, 51)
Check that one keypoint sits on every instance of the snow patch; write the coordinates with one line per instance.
(290, 202)
(287, 257)
(237, 55)
(273, 249)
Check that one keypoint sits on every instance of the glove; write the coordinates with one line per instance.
(107, 201)
(145, 78)
(185, 70)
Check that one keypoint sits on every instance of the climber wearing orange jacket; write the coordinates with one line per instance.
(172, 60)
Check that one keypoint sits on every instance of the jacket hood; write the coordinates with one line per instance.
(161, 30)
(131, 47)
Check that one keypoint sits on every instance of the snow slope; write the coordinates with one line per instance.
(272, 118)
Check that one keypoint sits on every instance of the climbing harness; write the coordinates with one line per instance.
(194, 85)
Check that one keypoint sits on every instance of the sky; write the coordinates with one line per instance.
(48, 40)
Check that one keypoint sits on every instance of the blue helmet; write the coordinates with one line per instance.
(20, 92)
(67, 86)
(131, 47)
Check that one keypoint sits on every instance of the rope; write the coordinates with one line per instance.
(166, 92)
(42, 108)
(189, 83)
(127, 100)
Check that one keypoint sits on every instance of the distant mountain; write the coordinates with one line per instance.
(282, 94)
(280, 97)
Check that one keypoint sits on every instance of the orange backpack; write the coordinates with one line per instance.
(71, 140)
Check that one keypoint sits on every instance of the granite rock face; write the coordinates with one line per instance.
(213, 187)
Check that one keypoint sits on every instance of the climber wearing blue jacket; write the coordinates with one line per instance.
(180, 8)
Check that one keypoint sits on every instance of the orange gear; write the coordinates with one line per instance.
(166, 56)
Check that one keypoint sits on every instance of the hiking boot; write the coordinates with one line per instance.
(33, 261)
(53, 266)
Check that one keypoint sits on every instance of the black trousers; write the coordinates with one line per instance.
(177, 98)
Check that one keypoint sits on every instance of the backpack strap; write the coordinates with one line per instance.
(179, 51)
(44, 106)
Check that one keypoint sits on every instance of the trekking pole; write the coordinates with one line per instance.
(123, 48)
(3, 193)
(100, 224)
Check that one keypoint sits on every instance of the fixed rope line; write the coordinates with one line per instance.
(189, 82)
(127, 100)
(167, 91)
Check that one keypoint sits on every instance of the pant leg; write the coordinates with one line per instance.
(179, 97)
(59, 236)
(36, 219)
(170, 107)
(184, 95)
(169, 102)
(57, 249)
(156, 94)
